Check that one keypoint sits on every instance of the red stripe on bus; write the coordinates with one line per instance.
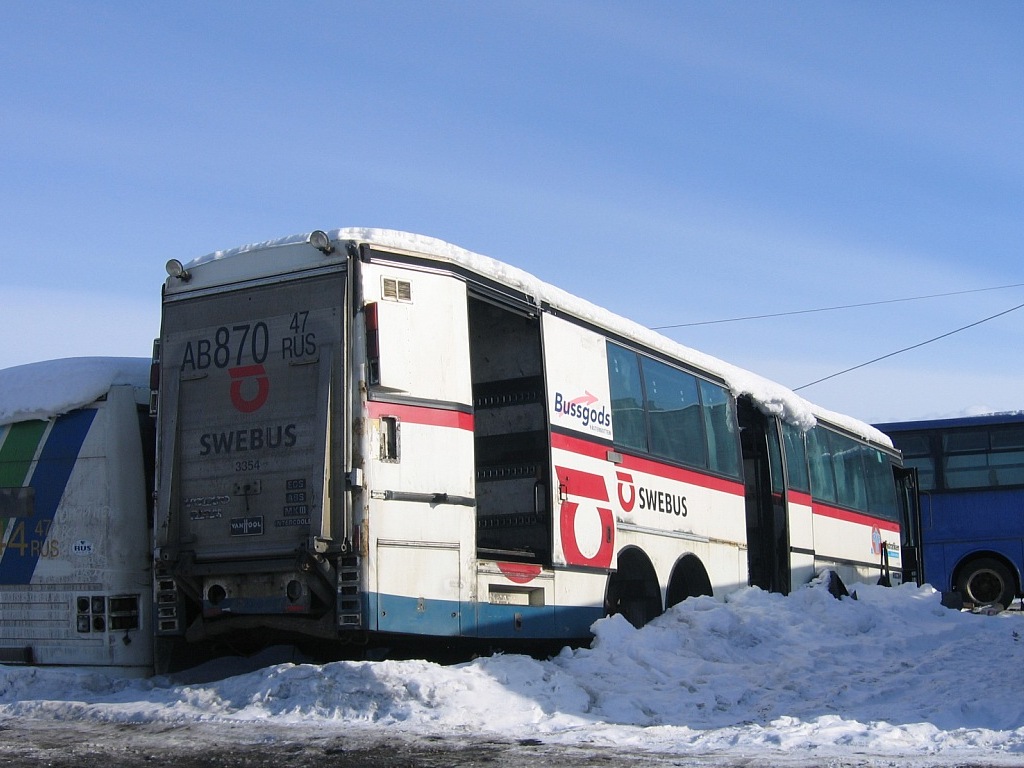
(584, 484)
(854, 517)
(418, 414)
(799, 497)
(648, 466)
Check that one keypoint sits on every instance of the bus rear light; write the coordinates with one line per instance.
(372, 344)
(370, 316)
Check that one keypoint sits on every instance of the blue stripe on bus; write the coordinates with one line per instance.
(450, 618)
(49, 479)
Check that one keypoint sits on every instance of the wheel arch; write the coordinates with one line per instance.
(633, 588)
(689, 579)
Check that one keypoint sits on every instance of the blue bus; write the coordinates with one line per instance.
(971, 481)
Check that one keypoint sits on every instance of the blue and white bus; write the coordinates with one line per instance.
(76, 462)
(971, 478)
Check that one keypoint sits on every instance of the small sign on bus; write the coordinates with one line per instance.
(247, 526)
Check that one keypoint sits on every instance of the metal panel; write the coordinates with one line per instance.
(253, 372)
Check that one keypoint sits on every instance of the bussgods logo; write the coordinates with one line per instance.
(582, 408)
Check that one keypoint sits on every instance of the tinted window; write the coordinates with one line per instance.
(628, 421)
(1008, 467)
(848, 463)
(973, 458)
(673, 410)
(974, 441)
(666, 412)
(917, 453)
(912, 445)
(984, 470)
(819, 459)
(925, 467)
(881, 484)
(796, 458)
(1008, 438)
(720, 427)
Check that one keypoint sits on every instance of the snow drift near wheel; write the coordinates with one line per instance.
(986, 580)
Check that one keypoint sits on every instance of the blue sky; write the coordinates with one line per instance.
(676, 162)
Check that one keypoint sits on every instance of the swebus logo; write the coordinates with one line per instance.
(581, 408)
(246, 375)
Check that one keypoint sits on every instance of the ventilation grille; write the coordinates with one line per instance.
(397, 290)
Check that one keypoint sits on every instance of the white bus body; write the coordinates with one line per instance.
(75, 564)
(370, 431)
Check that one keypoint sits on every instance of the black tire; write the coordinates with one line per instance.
(633, 589)
(985, 581)
(630, 598)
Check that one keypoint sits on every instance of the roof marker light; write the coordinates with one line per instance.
(319, 240)
(176, 269)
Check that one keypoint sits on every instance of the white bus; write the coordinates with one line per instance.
(369, 431)
(76, 462)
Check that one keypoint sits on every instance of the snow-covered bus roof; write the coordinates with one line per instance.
(771, 397)
(52, 387)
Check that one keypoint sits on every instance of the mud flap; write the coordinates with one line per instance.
(836, 588)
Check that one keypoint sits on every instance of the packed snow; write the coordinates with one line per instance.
(773, 398)
(888, 678)
(50, 388)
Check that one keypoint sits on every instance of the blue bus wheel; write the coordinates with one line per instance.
(985, 581)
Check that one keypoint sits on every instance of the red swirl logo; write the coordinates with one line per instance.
(251, 374)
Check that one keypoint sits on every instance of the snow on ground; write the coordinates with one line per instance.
(889, 678)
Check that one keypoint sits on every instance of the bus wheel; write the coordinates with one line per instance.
(985, 581)
(633, 589)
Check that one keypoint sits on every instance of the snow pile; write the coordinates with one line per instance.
(50, 388)
(805, 678)
(773, 398)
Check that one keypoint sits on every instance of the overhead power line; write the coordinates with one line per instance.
(832, 309)
(913, 346)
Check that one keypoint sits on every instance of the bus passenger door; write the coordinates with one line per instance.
(767, 529)
(910, 524)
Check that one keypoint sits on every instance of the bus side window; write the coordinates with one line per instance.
(628, 422)
(881, 489)
(673, 410)
(720, 427)
(917, 453)
(796, 457)
(823, 483)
